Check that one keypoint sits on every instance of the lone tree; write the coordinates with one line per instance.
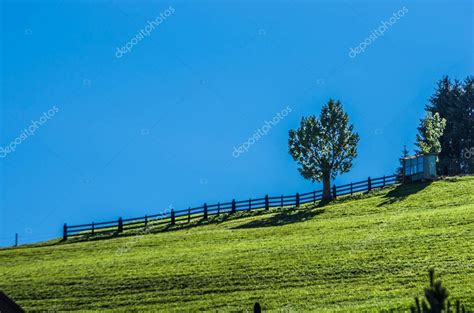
(324, 147)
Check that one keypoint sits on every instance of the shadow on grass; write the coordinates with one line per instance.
(180, 225)
(284, 218)
(401, 192)
(281, 216)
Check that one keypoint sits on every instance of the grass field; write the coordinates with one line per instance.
(368, 253)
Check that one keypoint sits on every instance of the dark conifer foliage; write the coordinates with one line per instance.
(454, 101)
(436, 299)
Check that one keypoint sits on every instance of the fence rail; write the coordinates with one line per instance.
(231, 207)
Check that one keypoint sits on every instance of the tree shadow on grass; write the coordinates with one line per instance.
(283, 218)
(401, 192)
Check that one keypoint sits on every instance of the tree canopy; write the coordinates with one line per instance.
(454, 101)
(324, 147)
(430, 131)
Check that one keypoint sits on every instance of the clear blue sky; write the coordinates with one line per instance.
(157, 127)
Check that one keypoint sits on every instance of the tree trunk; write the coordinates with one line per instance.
(327, 186)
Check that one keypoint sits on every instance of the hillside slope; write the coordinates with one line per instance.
(368, 253)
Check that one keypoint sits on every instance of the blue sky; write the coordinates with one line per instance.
(157, 127)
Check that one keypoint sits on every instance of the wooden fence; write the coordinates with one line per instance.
(206, 210)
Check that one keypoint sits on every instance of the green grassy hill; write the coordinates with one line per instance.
(367, 253)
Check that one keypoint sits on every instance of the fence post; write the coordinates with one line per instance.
(369, 184)
(146, 220)
(351, 189)
(16, 240)
(334, 191)
(281, 206)
(189, 215)
(233, 207)
(92, 229)
(383, 181)
(172, 217)
(250, 204)
(267, 204)
(314, 196)
(218, 208)
(120, 225)
(65, 231)
(205, 211)
(297, 200)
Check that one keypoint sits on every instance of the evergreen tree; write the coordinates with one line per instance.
(429, 133)
(399, 171)
(454, 101)
(467, 126)
(436, 299)
(324, 147)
